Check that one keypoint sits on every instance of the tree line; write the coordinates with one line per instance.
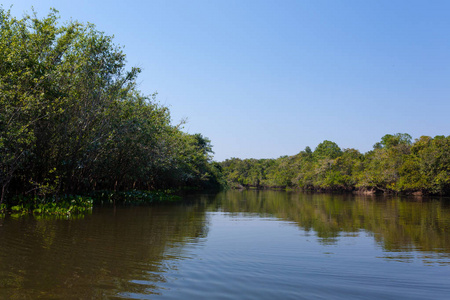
(395, 165)
(72, 119)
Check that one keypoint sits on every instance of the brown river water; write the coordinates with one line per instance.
(234, 245)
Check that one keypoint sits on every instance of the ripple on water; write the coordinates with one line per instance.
(187, 252)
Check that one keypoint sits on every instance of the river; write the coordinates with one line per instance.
(234, 245)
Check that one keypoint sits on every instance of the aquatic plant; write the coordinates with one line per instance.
(65, 205)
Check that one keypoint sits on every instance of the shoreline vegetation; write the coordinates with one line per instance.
(396, 165)
(75, 130)
(74, 205)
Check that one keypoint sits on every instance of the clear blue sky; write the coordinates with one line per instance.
(263, 79)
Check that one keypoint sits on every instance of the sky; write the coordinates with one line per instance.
(262, 79)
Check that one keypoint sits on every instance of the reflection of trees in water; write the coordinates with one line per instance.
(112, 251)
(129, 250)
(398, 224)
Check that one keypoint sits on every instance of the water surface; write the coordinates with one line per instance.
(234, 245)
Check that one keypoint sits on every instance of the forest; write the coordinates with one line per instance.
(395, 165)
(72, 119)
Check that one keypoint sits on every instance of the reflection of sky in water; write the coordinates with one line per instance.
(246, 257)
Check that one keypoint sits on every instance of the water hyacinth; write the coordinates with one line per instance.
(65, 205)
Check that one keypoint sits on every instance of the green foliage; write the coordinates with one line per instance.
(327, 149)
(390, 141)
(73, 121)
(247, 172)
(62, 206)
(427, 167)
(396, 165)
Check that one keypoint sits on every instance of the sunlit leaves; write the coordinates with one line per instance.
(395, 165)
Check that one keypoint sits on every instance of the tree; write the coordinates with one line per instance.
(327, 149)
(427, 167)
(28, 53)
(389, 140)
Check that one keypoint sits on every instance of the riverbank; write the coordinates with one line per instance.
(338, 190)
